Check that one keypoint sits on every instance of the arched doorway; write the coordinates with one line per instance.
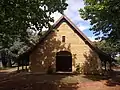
(64, 61)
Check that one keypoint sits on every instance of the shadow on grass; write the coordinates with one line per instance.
(114, 79)
(6, 75)
(6, 68)
(96, 77)
(30, 81)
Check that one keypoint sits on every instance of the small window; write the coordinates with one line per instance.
(63, 38)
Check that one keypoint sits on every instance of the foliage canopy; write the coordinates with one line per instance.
(17, 15)
(104, 16)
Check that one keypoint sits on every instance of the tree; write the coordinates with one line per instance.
(17, 15)
(118, 59)
(10, 55)
(111, 52)
(4, 54)
(107, 47)
(104, 16)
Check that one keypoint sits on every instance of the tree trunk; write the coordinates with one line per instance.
(110, 65)
(105, 65)
(22, 65)
(18, 68)
(26, 67)
(9, 63)
(4, 63)
(18, 64)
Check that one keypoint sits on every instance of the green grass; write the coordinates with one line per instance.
(5, 68)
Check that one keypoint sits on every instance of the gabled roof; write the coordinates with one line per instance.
(73, 26)
(63, 18)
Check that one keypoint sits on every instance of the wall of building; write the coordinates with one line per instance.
(44, 55)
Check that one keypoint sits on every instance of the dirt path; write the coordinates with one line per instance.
(9, 70)
(96, 85)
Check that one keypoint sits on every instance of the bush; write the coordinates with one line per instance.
(50, 70)
(78, 70)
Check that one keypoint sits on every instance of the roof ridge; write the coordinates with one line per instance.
(76, 28)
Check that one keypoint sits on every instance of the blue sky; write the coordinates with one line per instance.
(73, 13)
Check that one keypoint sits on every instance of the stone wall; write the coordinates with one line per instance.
(45, 53)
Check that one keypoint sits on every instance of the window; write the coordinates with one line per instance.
(63, 38)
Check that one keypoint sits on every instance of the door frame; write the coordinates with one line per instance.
(66, 68)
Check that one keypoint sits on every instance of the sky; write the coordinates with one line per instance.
(72, 12)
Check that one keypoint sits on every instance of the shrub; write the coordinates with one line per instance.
(50, 70)
(78, 69)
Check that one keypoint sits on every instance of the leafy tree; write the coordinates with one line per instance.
(17, 15)
(104, 16)
(10, 55)
(107, 47)
(118, 59)
(3, 58)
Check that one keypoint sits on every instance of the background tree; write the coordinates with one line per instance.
(20, 23)
(17, 15)
(3, 58)
(118, 59)
(107, 47)
(104, 16)
(17, 49)
(10, 55)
